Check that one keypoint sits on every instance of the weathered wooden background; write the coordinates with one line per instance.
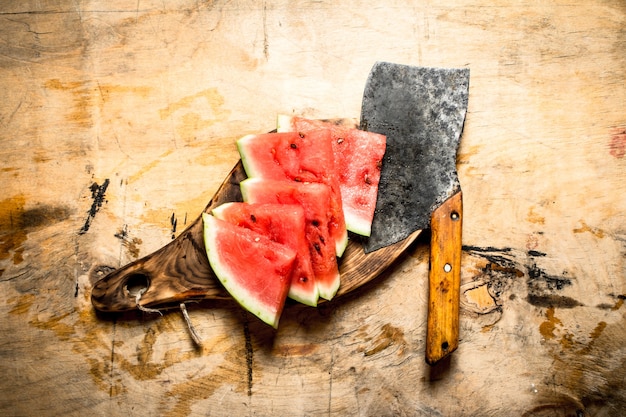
(117, 125)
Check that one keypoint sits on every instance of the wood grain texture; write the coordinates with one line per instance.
(118, 122)
(444, 279)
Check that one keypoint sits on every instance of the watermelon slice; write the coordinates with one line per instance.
(255, 270)
(358, 157)
(282, 223)
(314, 198)
(297, 157)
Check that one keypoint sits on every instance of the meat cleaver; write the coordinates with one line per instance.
(422, 112)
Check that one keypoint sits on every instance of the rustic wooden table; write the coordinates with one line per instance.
(117, 124)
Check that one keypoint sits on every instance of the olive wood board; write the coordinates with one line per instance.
(180, 271)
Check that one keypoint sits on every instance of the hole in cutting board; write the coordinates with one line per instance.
(137, 284)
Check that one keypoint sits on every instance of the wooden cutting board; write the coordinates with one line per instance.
(118, 122)
(179, 272)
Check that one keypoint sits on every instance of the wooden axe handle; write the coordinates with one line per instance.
(444, 279)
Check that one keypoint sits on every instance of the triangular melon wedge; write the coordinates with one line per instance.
(285, 224)
(255, 270)
(313, 197)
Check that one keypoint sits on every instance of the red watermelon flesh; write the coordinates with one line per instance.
(358, 157)
(297, 157)
(314, 199)
(282, 223)
(255, 270)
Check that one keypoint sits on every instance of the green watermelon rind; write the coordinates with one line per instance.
(283, 123)
(295, 293)
(309, 299)
(244, 297)
(217, 211)
(248, 166)
(356, 224)
(341, 243)
(329, 292)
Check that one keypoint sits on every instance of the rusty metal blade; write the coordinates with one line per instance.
(421, 111)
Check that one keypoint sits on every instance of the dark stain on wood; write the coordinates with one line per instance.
(97, 195)
(389, 335)
(503, 267)
(541, 288)
(499, 272)
(249, 353)
(547, 327)
(540, 280)
(599, 233)
(173, 222)
(619, 303)
(131, 244)
(552, 300)
(43, 215)
(16, 221)
(497, 256)
(617, 143)
(613, 307)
